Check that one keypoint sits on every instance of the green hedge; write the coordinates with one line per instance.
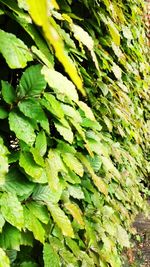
(74, 131)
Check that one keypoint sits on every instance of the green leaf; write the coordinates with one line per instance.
(117, 71)
(41, 143)
(75, 212)
(54, 105)
(38, 12)
(44, 194)
(39, 211)
(60, 84)
(16, 183)
(34, 225)
(113, 32)
(65, 131)
(10, 238)
(15, 52)
(22, 127)
(37, 173)
(2, 222)
(32, 82)
(122, 237)
(8, 92)
(4, 260)
(28, 264)
(54, 165)
(37, 157)
(3, 161)
(87, 110)
(50, 256)
(99, 183)
(61, 219)
(75, 191)
(32, 109)
(71, 112)
(73, 163)
(12, 209)
(3, 113)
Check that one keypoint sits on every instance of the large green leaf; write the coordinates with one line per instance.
(53, 105)
(44, 194)
(34, 225)
(39, 211)
(4, 260)
(38, 12)
(22, 127)
(15, 52)
(32, 82)
(12, 209)
(8, 92)
(60, 84)
(61, 219)
(73, 163)
(65, 131)
(10, 238)
(4, 162)
(99, 183)
(36, 172)
(16, 183)
(41, 143)
(50, 256)
(32, 109)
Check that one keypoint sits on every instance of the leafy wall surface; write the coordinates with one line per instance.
(74, 131)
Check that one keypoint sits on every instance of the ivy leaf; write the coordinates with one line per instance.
(15, 52)
(73, 163)
(60, 84)
(4, 260)
(32, 109)
(41, 143)
(8, 92)
(36, 172)
(61, 219)
(50, 256)
(12, 210)
(32, 82)
(22, 127)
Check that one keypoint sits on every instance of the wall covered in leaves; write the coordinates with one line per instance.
(74, 130)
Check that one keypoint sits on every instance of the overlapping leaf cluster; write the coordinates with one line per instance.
(73, 164)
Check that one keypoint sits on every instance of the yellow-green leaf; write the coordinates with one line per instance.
(61, 219)
(75, 212)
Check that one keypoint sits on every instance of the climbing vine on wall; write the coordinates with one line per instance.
(74, 131)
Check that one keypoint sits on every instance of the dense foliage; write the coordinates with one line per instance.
(74, 130)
